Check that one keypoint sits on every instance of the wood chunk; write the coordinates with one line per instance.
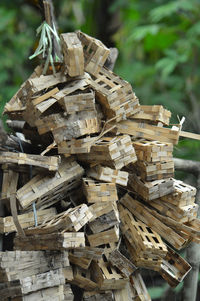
(7, 184)
(107, 276)
(114, 94)
(98, 296)
(181, 214)
(73, 54)
(71, 220)
(174, 268)
(83, 101)
(97, 192)
(109, 175)
(43, 82)
(183, 195)
(84, 279)
(143, 214)
(54, 241)
(68, 294)
(142, 238)
(150, 190)
(125, 266)
(154, 114)
(105, 237)
(26, 220)
(89, 252)
(105, 216)
(82, 262)
(50, 163)
(16, 265)
(153, 151)
(139, 288)
(154, 171)
(47, 190)
(76, 146)
(148, 131)
(115, 152)
(95, 53)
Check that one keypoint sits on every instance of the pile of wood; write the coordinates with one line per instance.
(94, 202)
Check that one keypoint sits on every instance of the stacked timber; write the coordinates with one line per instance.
(94, 202)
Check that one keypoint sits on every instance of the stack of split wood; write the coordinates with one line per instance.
(94, 202)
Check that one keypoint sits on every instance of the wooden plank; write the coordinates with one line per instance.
(154, 114)
(45, 96)
(125, 266)
(105, 237)
(189, 135)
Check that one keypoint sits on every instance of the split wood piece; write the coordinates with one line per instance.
(47, 190)
(107, 216)
(174, 268)
(50, 163)
(98, 296)
(154, 171)
(181, 214)
(16, 105)
(189, 135)
(26, 220)
(148, 131)
(35, 85)
(115, 152)
(147, 217)
(16, 265)
(71, 220)
(105, 237)
(107, 277)
(84, 278)
(191, 229)
(154, 114)
(183, 195)
(97, 192)
(76, 146)
(82, 262)
(66, 128)
(7, 184)
(50, 294)
(144, 241)
(95, 53)
(125, 266)
(150, 190)
(108, 175)
(145, 262)
(114, 94)
(153, 151)
(88, 252)
(83, 101)
(54, 241)
(139, 287)
(73, 54)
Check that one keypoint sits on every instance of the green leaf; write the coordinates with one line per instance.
(166, 66)
(140, 32)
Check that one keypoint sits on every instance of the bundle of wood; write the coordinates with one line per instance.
(98, 196)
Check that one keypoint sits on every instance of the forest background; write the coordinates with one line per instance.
(159, 54)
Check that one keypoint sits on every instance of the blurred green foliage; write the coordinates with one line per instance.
(158, 42)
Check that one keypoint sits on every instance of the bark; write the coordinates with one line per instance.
(193, 250)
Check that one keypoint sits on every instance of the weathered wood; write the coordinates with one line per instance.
(26, 220)
(115, 152)
(73, 54)
(83, 278)
(108, 175)
(72, 219)
(148, 131)
(54, 241)
(76, 146)
(154, 114)
(50, 163)
(150, 190)
(98, 296)
(47, 190)
(114, 94)
(95, 53)
(144, 240)
(96, 192)
(139, 288)
(154, 171)
(125, 266)
(105, 237)
(106, 275)
(142, 213)
(174, 268)
(153, 151)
